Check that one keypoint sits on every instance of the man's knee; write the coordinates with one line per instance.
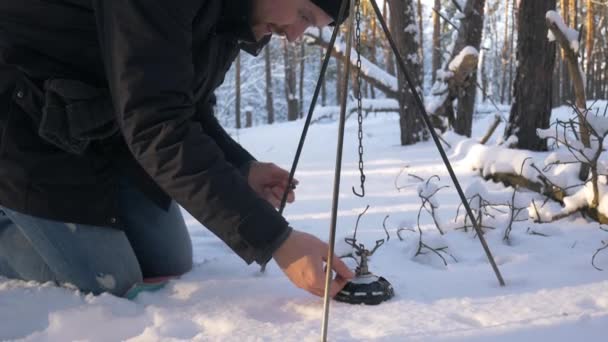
(174, 261)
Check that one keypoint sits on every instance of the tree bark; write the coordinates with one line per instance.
(388, 55)
(420, 37)
(514, 20)
(505, 55)
(436, 39)
(339, 77)
(290, 81)
(469, 34)
(590, 28)
(536, 57)
(269, 93)
(324, 85)
(573, 13)
(565, 79)
(403, 15)
(372, 57)
(301, 87)
(237, 102)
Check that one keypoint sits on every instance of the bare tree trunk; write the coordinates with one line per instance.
(237, 102)
(514, 21)
(324, 85)
(565, 84)
(604, 82)
(421, 38)
(290, 81)
(302, 65)
(388, 55)
(269, 95)
(403, 15)
(573, 13)
(339, 77)
(436, 39)
(248, 117)
(602, 57)
(535, 57)
(573, 17)
(484, 76)
(372, 58)
(505, 55)
(589, 45)
(469, 34)
(557, 79)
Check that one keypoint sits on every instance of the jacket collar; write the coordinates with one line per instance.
(236, 19)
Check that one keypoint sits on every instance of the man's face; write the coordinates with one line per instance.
(289, 18)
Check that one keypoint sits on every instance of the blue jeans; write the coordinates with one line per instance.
(153, 243)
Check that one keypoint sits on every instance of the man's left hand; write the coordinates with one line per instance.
(270, 181)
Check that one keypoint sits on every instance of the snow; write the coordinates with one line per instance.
(552, 294)
(466, 51)
(598, 123)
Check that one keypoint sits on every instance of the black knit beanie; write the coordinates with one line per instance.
(332, 8)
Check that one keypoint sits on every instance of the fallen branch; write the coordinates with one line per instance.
(497, 120)
(555, 194)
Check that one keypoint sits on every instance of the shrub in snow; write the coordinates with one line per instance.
(425, 247)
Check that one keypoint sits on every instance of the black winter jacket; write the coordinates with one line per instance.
(155, 64)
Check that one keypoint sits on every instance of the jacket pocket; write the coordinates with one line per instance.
(69, 114)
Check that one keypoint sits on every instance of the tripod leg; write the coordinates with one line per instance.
(427, 121)
(338, 169)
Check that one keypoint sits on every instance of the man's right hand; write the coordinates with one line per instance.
(301, 257)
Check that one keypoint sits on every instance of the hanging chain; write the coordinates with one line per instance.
(358, 96)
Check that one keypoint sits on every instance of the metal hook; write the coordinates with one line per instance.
(362, 191)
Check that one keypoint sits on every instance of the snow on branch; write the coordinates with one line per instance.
(373, 74)
(451, 82)
(571, 35)
(554, 174)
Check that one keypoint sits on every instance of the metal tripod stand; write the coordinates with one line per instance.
(421, 111)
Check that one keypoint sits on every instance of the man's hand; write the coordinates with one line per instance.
(269, 182)
(301, 258)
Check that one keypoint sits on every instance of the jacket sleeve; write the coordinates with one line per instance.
(233, 151)
(147, 51)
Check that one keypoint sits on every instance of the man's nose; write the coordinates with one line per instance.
(295, 31)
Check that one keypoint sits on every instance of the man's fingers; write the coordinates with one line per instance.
(343, 275)
(317, 280)
(271, 198)
(278, 193)
(337, 285)
(341, 269)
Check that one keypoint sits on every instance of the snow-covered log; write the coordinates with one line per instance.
(367, 106)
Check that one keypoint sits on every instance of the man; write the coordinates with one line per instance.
(107, 125)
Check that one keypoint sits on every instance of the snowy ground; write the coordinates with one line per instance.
(552, 294)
